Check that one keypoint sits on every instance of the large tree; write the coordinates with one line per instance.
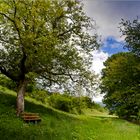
(45, 40)
(121, 83)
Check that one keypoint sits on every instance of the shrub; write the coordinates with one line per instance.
(87, 102)
(60, 102)
(77, 105)
(39, 95)
(98, 107)
(68, 103)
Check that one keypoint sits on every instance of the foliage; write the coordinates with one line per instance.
(120, 82)
(88, 101)
(45, 39)
(60, 102)
(130, 30)
(68, 103)
(99, 107)
(6, 82)
(39, 95)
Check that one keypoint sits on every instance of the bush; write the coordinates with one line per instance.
(68, 103)
(87, 102)
(63, 102)
(39, 95)
(98, 107)
(60, 102)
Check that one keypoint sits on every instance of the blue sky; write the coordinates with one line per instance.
(111, 45)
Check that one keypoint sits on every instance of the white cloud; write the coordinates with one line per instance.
(108, 14)
(98, 58)
(98, 98)
(101, 13)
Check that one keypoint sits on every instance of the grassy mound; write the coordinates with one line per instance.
(57, 125)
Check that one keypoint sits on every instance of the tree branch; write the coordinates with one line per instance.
(7, 17)
(57, 74)
(71, 29)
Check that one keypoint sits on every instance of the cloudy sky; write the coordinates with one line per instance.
(108, 15)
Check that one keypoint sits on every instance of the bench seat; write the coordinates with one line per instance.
(31, 117)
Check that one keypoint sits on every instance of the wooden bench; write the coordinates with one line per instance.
(31, 117)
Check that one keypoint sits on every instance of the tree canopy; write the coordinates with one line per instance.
(120, 82)
(45, 39)
(131, 31)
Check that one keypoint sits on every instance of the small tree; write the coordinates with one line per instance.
(44, 39)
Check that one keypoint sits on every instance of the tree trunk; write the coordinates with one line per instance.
(20, 97)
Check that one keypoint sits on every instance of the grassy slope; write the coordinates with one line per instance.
(57, 125)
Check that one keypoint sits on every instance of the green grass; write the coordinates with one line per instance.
(57, 125)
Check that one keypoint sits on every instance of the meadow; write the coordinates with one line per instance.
(58, 125)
